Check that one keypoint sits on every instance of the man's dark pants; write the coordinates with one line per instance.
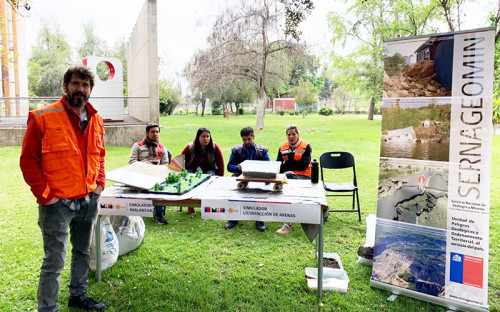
(80, 216)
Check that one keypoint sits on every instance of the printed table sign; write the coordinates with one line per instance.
(214, 209)
(125, 206)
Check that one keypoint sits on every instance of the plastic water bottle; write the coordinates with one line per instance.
(314, 171)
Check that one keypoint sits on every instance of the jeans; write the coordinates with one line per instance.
(80, 216)
(159, 210)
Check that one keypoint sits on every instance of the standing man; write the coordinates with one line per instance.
(62, 160)
(151, 151)
(246, 151)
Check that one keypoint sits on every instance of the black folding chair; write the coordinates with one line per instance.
(340, 160)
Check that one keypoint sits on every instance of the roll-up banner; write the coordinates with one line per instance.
(432, 234)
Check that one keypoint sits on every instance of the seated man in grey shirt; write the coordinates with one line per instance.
(151, 151)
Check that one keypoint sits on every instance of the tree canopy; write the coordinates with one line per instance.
(50, 58)
(246, 40)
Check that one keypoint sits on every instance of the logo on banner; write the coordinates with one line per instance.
(110, 206)
(209, 209)
(466, 270)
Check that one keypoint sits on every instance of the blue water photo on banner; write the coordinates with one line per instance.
(416, 128)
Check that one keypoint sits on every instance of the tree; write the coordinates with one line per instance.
(395, 64)
(296, 12)
(92, 44)
(327, 90)
(243, 40)
(368, 28)
(119, 51)
(50, 58)
(305, 67)
(239, 91)
(495, 22)
(448, 6)
(306, 95)
(413, 17)
(169, 97)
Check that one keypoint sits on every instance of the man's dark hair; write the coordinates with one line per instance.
(292, 127)
(150, 126)
(247, 131)
(197, 145)
(81, 72)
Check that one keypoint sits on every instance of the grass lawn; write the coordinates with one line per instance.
(196, 265)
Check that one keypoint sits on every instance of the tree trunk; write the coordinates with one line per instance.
(203, 106)
(261, 109)
(237, 106)
(371, 108)
(224, 109)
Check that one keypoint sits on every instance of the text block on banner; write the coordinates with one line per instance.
(125, 206)
(215, 209)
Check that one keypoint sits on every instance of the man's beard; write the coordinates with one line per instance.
(153, 139)
(75, 102)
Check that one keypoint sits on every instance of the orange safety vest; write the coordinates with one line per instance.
(297, 156)
(61, 160)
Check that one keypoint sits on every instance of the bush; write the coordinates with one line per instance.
(281, 112)
(241, 111)
(216, 108)
(395, 65)
(34, 105)
(496, 110)
(325, 111)
(291, 113)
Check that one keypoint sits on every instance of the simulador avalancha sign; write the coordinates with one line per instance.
(432, 235)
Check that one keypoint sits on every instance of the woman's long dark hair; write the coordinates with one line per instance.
(197, 145)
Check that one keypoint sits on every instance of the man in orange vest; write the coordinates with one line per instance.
(62, 160)
(295, 158)
(151, 151)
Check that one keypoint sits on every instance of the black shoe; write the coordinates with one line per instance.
(160, 219)
(230, 224)
(260, 226)
(366, 252)
(86, 303)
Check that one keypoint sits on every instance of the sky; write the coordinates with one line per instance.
(183, 26)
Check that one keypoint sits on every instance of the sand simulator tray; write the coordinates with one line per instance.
(179, 183)
(278, 181)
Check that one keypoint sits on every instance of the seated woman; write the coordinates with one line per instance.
(295, 158)
(203, 155)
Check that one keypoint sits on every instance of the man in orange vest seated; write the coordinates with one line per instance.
(295, 158)
(151, 151)
(62, 160)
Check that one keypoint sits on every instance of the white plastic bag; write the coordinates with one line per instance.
(109, 246)
(130, 233)
(116, 222)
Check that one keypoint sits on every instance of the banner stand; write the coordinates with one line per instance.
(433, 208)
